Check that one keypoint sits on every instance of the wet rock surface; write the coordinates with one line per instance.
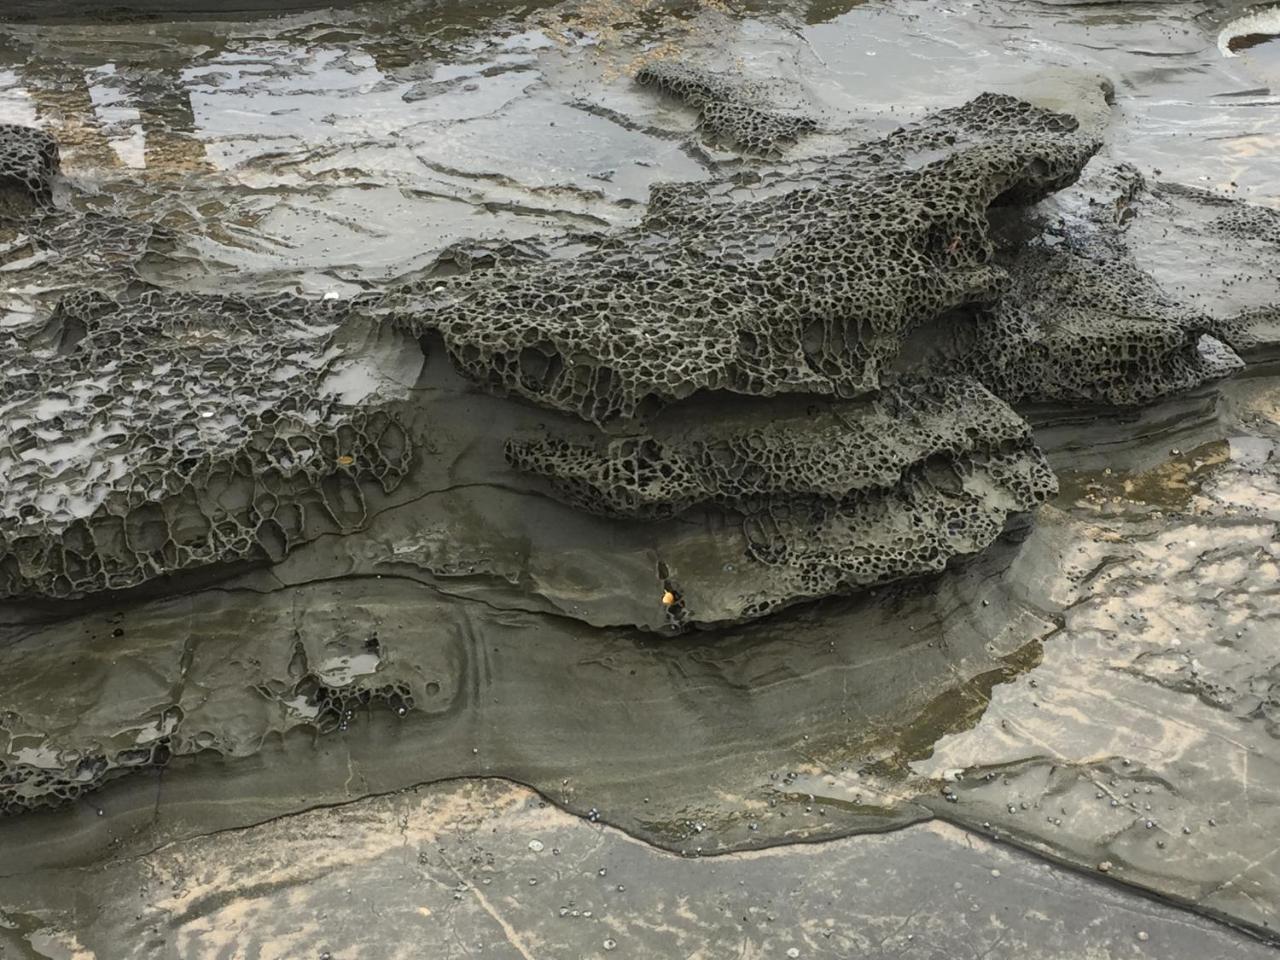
(487, 865)
(28, 163)
(501, 581)
(834, 275)
(168, 432)
(810, 289)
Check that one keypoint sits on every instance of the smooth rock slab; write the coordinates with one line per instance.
(488, 867)
(1148, 738)
(690, 744)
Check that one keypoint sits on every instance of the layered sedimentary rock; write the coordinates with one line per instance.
(811, 288)
(750, 350)
(834, 497)
(168, 432)
(229, 680)
(153, 435)
(829, 451)
(1195, 241)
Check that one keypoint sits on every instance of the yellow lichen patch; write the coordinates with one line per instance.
(346, 460)
(668, 598)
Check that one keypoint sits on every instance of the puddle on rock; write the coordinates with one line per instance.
(1167, 488)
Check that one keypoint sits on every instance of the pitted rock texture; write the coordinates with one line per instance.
(47, 248)
(40, 777)
(1090, 327)
(725, 111)
(29, 160)
(43, 777)
(834, 497)
(746, 460)
(1249, 222)
(811, 288)
(154, 435)
(469, 255)
(944, 513)
(62, 250)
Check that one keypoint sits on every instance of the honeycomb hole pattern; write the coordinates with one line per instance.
(841, 497)
(172, 431)
(810, 288)
(725, 111)
(1087, 326)
(29, 162)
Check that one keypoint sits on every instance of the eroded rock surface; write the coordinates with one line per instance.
(29, 161)
(48, 247)
(833, 497)
(748, 351)
(1147, 738)
(724, 109)
(833, 452)
(159, 692)
(1202, 260)
(1090, 327)
(68, 251)
(151, 436)
(476, 624)
(810, 288)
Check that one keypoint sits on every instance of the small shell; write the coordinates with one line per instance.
(346, 460)
(668, 598)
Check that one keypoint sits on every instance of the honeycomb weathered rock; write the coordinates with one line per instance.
(29, 161)
(1080, 328)
(739, 461)
(833, 496)
(150, 436)
(725, 112)
(62, 250)
(809, 287)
